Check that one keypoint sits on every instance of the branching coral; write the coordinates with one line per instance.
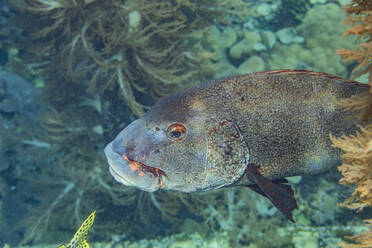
(137, 45)
(112, 49)
(63, 167)
(357, 166)
(357, 159)
(64, 202)
(96, 57)
(363, 240)
(360, 17)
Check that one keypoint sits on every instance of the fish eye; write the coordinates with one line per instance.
(176, 132)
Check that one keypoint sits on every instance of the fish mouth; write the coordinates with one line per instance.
(142, 168)
(133, 173)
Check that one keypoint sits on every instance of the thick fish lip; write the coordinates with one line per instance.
(136, 165)
(124, 172)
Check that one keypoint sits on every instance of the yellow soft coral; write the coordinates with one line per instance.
(356, 165)
(360, 18)
(357, 160)
(363, 240)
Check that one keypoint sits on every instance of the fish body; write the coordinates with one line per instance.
(205, 137)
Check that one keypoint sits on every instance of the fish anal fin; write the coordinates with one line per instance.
(281, 195)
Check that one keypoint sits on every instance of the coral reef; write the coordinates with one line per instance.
(360, 17)
(94, 59)
(309, 45)
(8, 32)
(290, 13)
(356, 165)
(362, 240)
(317, 52)
(133, 45)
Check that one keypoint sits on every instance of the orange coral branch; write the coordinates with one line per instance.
(356, 165)
(364, 239)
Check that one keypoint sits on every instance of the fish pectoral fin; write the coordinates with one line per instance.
(258, 190)
(280, 194)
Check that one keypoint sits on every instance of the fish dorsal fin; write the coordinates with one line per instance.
(313, 73)
(280, 194)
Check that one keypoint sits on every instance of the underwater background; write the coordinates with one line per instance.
(73, 73)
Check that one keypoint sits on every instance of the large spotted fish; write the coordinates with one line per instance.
(251, 130)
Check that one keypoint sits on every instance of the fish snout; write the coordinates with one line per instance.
(140, 149)
(130, 172)
(127, 156)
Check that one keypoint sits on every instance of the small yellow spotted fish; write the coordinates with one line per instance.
(79, 240)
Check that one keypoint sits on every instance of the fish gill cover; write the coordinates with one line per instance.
(101, 63)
